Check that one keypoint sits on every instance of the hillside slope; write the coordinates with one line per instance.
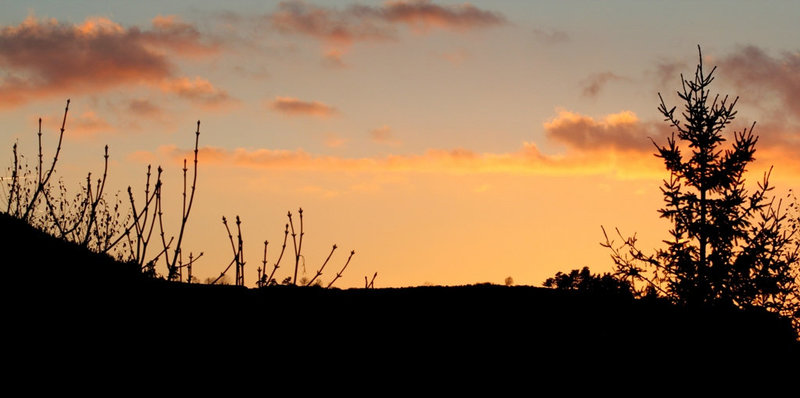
(57, 290)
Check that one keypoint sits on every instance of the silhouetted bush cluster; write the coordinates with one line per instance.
(90, 220)
(585, 281)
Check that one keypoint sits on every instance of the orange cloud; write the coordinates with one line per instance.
(198, 90)
(333, 58)
(623, 139)
(359, 22)
(527, 161)
(424, 14)
(295, 107)
(620, 131)
(45, 57)
(615, 145)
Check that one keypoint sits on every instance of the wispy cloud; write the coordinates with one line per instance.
(171, 32)
(295, 107)
(767, 82)
(360, 22)
(334, 140)
(456, 57)
(616, 145)
(299, 17)
(143, 108)
(550, 36)
(87, 124)
(618, 158)
(527, 160)
(383, 135)
(761, 75)
(339, 28)
(199, 91)
(333, 59)
(669, 71)
(593, 84)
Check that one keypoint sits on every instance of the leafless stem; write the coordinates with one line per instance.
(240, 271)
(370, 284)
(142, 215)
(262, 271)
(188, 208)
(39, 134)
(222, 274)
(230, 235)
(163, 251)
(339, 274)
(296, 251)
(14, 183)
(277, 263)
(43, 181)
(95, 200)
(238, 250)
(319, 272)
(159, 211)
(189, 268)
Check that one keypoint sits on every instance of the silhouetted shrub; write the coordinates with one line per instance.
(89, 219)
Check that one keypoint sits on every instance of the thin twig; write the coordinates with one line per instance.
(188, 208)
(339, 274)
(371, 284)
(46, 179)
(319, 272)
(277, 263)
(296, 252)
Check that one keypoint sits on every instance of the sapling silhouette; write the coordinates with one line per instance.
(727, 247)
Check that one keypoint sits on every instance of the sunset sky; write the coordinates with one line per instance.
(445, 142)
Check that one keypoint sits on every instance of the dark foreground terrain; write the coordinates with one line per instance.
(59, 298)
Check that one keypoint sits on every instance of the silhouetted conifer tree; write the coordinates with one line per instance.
(727, 246)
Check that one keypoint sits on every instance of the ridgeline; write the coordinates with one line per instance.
(57, 290)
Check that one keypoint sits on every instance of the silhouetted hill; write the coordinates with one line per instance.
(61, 295)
